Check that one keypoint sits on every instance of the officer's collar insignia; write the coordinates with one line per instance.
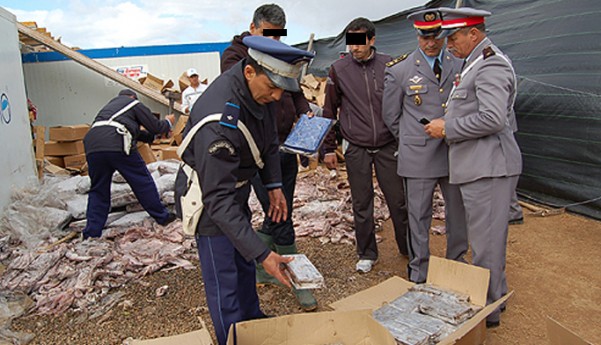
(230, 115)
(488, 52)
(416, 79)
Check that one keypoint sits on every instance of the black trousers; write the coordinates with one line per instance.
(282, 232)
(360, 163)
(101, 167)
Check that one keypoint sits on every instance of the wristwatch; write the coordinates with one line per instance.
(444, 133)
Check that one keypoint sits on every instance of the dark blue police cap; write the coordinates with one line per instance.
(281, 62)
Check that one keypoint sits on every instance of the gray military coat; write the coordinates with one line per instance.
(412, 92)
(480, 118)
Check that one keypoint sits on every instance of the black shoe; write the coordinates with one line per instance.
(503, 308)
(517, 221)
(493, 324)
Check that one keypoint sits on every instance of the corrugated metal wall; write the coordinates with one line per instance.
(67, 93)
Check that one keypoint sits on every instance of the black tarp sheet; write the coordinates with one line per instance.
(555, 46)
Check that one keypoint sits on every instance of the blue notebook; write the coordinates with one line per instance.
(307, 135)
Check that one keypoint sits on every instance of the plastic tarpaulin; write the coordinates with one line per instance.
(555, 46)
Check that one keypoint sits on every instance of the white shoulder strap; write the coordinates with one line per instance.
(126, 108)
(216, 117)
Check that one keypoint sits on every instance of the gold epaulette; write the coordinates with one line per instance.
(397, 60)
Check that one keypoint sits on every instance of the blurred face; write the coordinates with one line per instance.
(258, 31)
(194, 80)
(430, 45)
(362, 52)
(462, 42)
(261, 87)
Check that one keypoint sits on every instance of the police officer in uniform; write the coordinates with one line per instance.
(278, 236)
(484, 158)
(111, 145)
(227, 244)
(416, 88)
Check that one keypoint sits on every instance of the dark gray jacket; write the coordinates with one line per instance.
(356, 89)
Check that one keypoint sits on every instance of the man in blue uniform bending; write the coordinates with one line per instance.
(221, 154)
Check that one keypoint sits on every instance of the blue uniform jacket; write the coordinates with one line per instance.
(221, 156)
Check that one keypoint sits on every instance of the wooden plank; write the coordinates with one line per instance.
(40, 133)
(96, 66)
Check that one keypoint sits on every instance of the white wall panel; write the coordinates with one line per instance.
(17, 163)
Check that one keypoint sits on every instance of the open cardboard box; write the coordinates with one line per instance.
(457, 276)
(354, 327)
(559, 335)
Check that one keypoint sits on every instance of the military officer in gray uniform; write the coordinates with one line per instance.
(484, 158)
(416, 88)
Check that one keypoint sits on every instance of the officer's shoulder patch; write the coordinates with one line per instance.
(488, 52)
(229, 117)
(222, 145)
(397, 60)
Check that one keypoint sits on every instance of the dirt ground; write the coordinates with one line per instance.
(553, 265)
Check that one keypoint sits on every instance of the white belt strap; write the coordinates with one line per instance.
(216, 117)
(121, 129)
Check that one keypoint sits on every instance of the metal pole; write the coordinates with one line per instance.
(309, 48)
(459, 3)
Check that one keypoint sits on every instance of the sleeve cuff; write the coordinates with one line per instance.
(263, 255)
(272, 186)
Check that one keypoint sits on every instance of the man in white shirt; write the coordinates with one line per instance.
(192, 92)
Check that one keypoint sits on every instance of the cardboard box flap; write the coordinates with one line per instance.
(351, 328)
(461, 277)
(559, 335)
(375, 296)
(200, 337)
(470, 324)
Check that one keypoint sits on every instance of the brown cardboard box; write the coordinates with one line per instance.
(178, 129)
(152, 82)
(169, 153)
(146, 153)
(183, 82)
(67, 148)
(75, 162)
(355, 327)
(559, 335)
(58, 161)
(201, 337)
(68, 133)
(452, 275)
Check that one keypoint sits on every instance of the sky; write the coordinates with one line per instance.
(110, 23)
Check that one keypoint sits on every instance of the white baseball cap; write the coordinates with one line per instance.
(191, 71)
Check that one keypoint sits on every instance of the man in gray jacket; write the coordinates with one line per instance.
(484, 158)
(416, 88)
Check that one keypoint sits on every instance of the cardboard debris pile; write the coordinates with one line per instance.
(156, 83)
(64, 153)
(34, 45)
(314, 89)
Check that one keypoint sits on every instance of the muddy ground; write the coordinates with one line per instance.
(553, 265)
